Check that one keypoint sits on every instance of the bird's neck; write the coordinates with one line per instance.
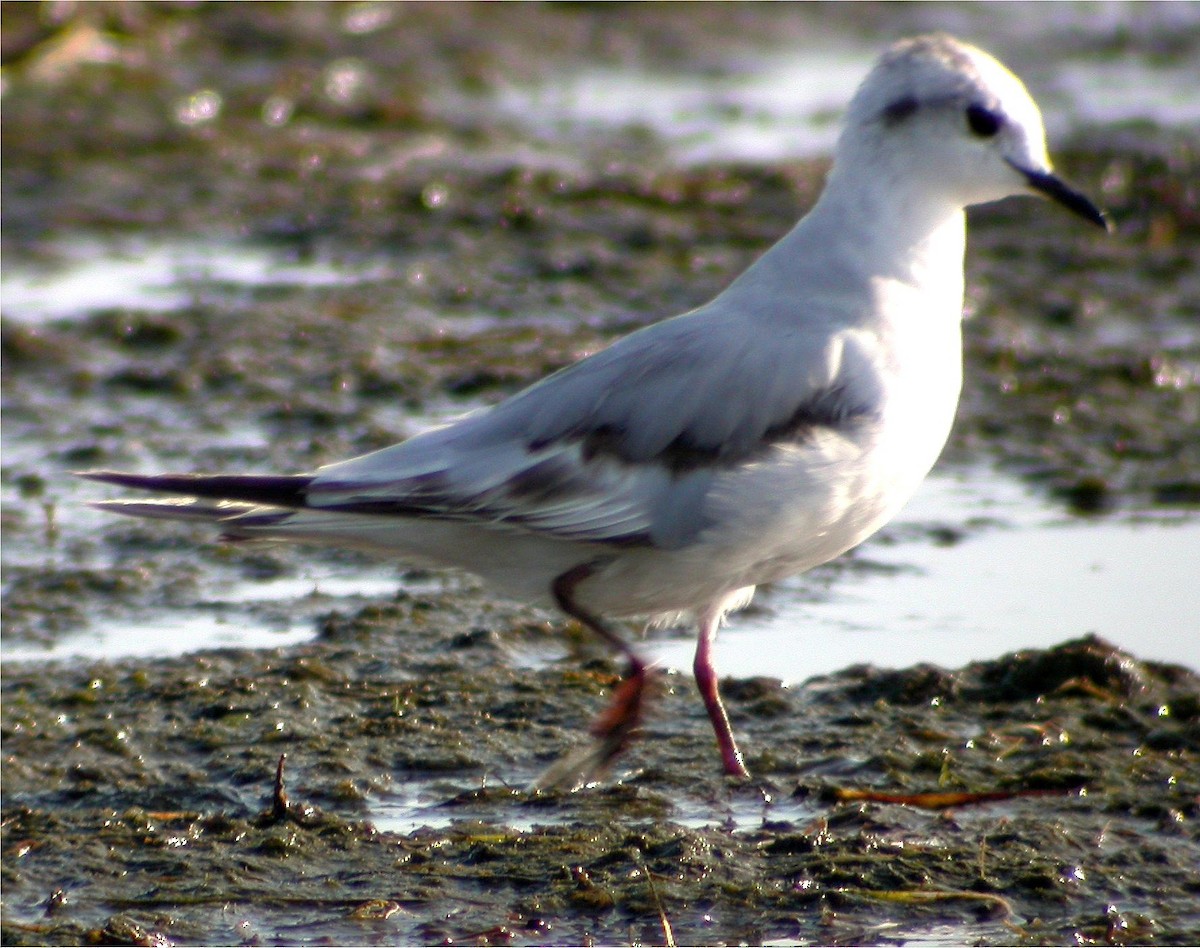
(901, 232)
(860, 240)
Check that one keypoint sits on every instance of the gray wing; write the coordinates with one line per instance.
(622, 447)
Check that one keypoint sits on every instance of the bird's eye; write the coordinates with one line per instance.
(983, 122)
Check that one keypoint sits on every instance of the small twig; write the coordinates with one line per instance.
(944, 800)
(50, 529)
(932, 896)
(285, 810)
(668, 933)
(281, 806)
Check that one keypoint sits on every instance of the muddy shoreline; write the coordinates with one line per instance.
(141, 794)
(137, 794)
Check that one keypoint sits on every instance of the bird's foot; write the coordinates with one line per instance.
(612, 732)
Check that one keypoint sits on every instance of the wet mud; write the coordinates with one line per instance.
(139, 800)
(141, 794)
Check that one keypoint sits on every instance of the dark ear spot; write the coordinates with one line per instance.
(898, 111)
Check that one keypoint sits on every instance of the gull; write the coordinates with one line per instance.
(755, 437)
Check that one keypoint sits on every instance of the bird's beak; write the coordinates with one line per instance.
(1053, 187)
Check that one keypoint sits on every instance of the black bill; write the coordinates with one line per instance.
(1062, 193)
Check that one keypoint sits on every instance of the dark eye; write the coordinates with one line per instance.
(983, 122)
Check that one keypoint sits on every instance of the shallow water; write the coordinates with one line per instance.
(977, 565)
(76, 277)
(236, 615)
(778, 105)
(1017, 574)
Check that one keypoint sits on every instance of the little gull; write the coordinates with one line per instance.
(753, 438)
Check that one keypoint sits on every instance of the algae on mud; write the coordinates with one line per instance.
(136, 794)
(143, 790)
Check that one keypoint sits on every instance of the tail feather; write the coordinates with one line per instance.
(275, 490)
(237, 520)
(183, 508)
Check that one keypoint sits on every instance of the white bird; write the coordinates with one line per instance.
(753, 438)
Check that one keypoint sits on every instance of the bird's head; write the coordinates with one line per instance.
(946, 120)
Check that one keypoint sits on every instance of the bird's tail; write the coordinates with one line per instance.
(241, 505)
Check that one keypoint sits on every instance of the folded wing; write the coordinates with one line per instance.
(621, 448)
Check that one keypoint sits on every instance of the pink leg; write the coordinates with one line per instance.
(617, 727)
(614, 730)
(706, 681)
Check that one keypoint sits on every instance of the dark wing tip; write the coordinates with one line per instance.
(277, 490)
(120, 478)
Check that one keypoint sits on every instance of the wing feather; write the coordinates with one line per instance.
(621, 448)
